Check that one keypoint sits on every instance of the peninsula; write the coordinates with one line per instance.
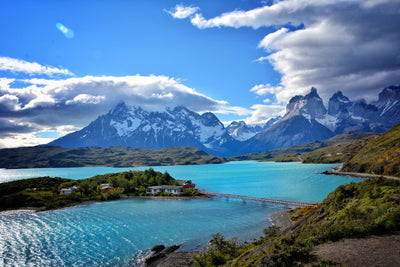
(45, 193)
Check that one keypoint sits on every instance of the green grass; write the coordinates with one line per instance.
(354, 210)
(292, 153)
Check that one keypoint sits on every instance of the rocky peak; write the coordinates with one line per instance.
(309, 106)
(120, 108)
(313, 93)
(390, 93)
(209, 119)
(338, 103)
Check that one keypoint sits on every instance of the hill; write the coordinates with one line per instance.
(356, 210)
(379, 156)
(296, 152)
(376, 154)
(116, 156)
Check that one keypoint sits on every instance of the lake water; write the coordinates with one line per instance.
(110, 233)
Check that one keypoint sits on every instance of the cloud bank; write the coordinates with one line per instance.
(65, 105)
(333, 45)
(17, 65)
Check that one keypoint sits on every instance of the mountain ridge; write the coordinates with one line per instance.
(306, 120)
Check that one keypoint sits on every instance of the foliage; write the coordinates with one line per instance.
(303, 152)
(45, 192)
(379, 156)
(299, 213)
(219, 252)
(352, 210)
(191, 192)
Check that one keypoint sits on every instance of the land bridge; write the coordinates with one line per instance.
(270, 200)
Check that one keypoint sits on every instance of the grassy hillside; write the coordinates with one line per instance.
(292, 153)
(337, 153)
(352, 210)
(116, 156)
(380, 155)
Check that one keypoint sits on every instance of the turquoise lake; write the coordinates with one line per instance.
(111, 233)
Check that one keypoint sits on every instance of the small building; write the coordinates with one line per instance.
(187, 184)
(68, 190)
(173, 189)
(105, 188)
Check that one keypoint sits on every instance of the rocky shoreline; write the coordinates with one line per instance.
(162, 256)
(358, 175)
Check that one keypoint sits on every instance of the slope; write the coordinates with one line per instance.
(379, 156)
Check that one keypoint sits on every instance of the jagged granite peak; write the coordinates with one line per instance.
(338, 103)
(292, 131)
(137, 127)
(390, 93)
(388, 105)
(209, 119)
(241, 131)
(309, 106)
(313, 93)
(306, 120)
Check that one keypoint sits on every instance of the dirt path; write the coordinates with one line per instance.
(370, 251)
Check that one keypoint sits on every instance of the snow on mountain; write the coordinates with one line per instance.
(309, 106)
(306, 120)
(135, 127)
(241, 131)
(388, 104)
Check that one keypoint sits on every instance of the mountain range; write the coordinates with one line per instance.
(306, 120)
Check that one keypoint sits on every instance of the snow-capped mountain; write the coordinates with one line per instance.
(307, 119)
(138, 128)
(299, 125)
(388, 105)
(242, 132)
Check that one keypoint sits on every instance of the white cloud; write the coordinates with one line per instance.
(86, 99)
(269, 39)
(234, 110)
(49, 104)
(23, 140)
(261, 114)
(17, 65)
(182, 12)
(347, 45)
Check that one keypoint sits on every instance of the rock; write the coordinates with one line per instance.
(159, 252)
(158, 248)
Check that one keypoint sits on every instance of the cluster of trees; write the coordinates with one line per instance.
(131, 183)
(44, 192)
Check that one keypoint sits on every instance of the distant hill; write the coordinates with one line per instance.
(374, 154)
(381, 155)
(116, 156)
(295, 153)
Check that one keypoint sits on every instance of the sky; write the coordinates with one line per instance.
(65, 62)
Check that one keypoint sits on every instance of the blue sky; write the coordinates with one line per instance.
(239, 59)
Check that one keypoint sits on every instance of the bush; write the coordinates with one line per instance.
(219, 253)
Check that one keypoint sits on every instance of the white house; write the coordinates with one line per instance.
(173, 189)
(68, 190)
